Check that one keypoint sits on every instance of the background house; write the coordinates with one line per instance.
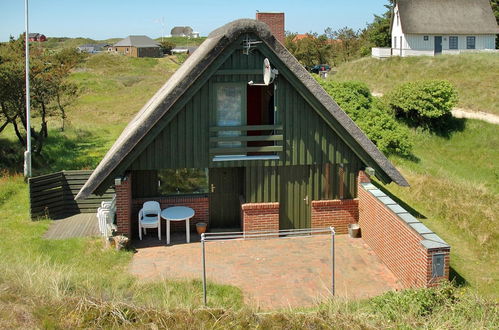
(184, 31)
(137, 46)
(36, 37)
(93, 48)
(428, 27)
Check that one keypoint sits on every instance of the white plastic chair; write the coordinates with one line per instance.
(150, 217)
(105, 215)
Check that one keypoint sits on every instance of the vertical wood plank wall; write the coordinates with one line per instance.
(308, 140)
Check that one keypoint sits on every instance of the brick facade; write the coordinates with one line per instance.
(275, 21)
(336, 213)
(260, 217)
(199, 204)
(124, 206)
(397, 244)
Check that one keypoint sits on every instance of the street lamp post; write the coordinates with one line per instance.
(27, 153)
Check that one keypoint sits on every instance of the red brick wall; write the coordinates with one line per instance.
(395, 243)
(199, 204)
(275, 21)
(124, 206)
(260, 216)
(336, 213)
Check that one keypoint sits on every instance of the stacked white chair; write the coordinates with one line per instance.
(150, 217)
(105, 215)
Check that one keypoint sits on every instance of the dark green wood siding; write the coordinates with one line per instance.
(308, 138)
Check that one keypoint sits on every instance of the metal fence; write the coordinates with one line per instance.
(282, 235)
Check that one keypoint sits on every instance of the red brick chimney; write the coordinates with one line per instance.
(276, 23)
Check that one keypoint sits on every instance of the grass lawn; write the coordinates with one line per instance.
(475, 76)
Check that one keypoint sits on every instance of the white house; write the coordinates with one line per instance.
(431, 27)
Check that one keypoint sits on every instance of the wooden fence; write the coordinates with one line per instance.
(53, 195)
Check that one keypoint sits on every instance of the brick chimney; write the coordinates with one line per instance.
(276, 23)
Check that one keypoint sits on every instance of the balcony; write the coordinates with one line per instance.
(255, 142)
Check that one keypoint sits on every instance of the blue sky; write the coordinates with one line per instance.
(102, 19)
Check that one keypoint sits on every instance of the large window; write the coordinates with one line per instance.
(453, 42)
(470, 42)
(230, 110)
(182, 181)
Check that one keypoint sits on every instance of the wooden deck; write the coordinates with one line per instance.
(79, 225)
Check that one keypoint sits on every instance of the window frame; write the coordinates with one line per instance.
(468, 44)
(426, 38)
(244, 96)
(192, 193)
(456, 39)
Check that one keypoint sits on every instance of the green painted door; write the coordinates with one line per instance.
(226, 186)
(295, 197)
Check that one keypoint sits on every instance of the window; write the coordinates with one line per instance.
(470, 42)
(182, 181)
(426, 38)
(230, 110)
(453, 42)
(127, 50)
(438, 261)
(394, 42)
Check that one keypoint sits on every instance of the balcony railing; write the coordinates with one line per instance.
(246, 140)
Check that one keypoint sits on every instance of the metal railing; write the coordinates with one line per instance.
(265, 234)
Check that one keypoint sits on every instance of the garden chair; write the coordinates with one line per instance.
(105, 215)
(150, 217)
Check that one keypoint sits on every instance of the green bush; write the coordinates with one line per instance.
(167, 46)
(425, 103)
(371, 115)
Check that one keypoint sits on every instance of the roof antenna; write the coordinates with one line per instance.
(249, 44)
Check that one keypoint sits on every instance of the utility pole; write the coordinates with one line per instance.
(27, 153)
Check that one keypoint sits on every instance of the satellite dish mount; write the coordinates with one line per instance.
(269, 74)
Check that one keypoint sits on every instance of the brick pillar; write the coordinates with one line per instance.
(124, 206)
(260, 217)
(363, 178)
(275, 21)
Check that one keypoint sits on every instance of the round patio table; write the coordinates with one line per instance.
(178, 213)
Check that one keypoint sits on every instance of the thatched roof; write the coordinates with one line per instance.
(192, 69)
(181, 31)
(137, 41)
(447, 17)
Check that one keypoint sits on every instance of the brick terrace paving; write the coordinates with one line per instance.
(273, 273)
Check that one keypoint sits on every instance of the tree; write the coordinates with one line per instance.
(50, 90)
(345, 44)
(312, 50)
(377, 33)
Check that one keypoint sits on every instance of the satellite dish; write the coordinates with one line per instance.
(269, 74)
(267, 71)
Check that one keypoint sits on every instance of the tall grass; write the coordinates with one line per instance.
(474, 75)
(68, 270)
(454, 185)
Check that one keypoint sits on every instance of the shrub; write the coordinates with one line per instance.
(167, 46)
(423, 103)
(371, 115)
